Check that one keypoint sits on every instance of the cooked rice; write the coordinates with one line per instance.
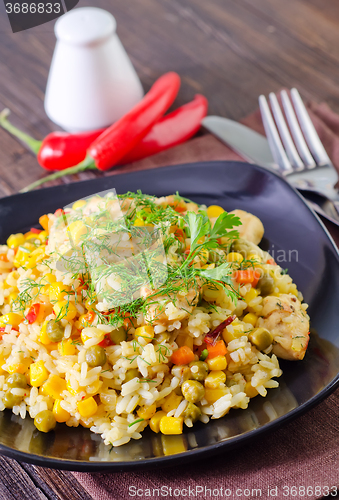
(124, 406)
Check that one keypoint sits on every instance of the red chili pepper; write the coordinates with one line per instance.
(116, 141)
(125, 134)
(59, 150)
(35, 230)
(212, 337)
(32, 314)
(171, 130)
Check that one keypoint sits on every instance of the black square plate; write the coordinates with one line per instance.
(292, 231)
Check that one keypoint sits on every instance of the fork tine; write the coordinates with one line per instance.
(310, 133)
(286, 138)
(296, 131)
(273, 138)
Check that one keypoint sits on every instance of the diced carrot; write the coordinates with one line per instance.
(219, 349)
(179, 234)
(3, 257)
(43, 221)
(182, 356)
(256, 277)
(247, 276)
(271, 262)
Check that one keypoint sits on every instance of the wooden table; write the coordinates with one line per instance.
(229, 50)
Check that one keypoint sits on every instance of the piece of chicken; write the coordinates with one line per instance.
(252, 228)
(289, 325)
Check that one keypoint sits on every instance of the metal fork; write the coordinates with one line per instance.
(304, 161)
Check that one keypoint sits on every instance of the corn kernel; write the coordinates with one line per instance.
(42, 236)
(15, 240)
(213, 211)
(44, 222)
(88, 407)
(250, 318)
(76, 231)
(215, 379)
(146, 332)
(43, 337)
(53, 386)
(59, 413)
(212, 395)
(254, 257)
(172, 445)
(70, 388)
(171, 402)
(79, 204)
(251, 391)
(17, 368)
(66, 348)
(235, 257)
(65, 310)
(12, 319)
(252, 294)
(147, 412)
(237, 332)
(38, 374)
(155, 421)
(217, 363)
(139, 222)
(171, 425)
(36, 256)
(184, 339)
(57, 291)
(23, 254)
(12, 296)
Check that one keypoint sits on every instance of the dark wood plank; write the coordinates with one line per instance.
(16, 484)
(56, 484)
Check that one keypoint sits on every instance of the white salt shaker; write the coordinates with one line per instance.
(92, 82)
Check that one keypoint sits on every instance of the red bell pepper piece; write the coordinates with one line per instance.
(32, 314)
(125, 134)
(59, 150)
(171, 130)
(35, 230)
(212, 337)
(106, 342)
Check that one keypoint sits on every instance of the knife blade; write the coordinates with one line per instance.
(254, 148)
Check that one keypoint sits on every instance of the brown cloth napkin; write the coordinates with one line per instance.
(300, 459)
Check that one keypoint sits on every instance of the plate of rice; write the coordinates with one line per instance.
(161, 315)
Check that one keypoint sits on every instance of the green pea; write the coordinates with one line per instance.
(118, 336)
(55, 331)
(17, 381)
(261, 338)
(96, 356)
(266, 284)
(11, 400)
(193, 412)
(193, 391)
(45, 421)
(200, 370)
(130, 374)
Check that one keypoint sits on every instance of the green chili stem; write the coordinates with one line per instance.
(86, 164)
(32, 143)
